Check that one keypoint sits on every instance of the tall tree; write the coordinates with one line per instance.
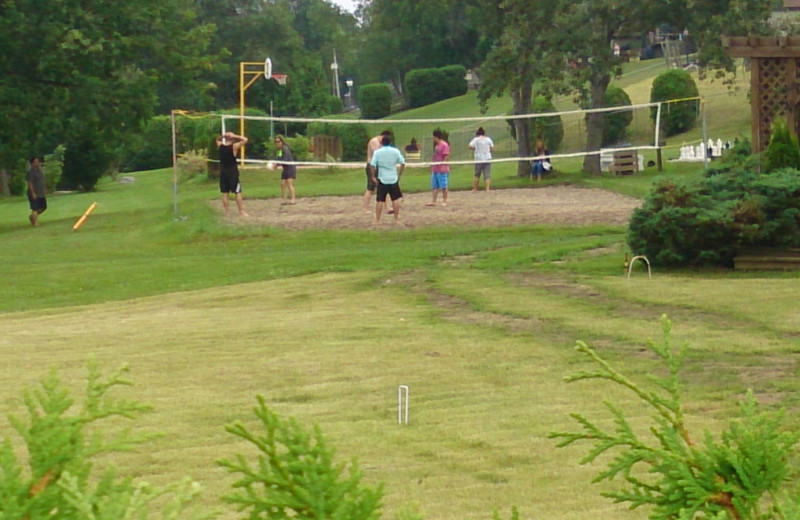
(85, 74)
(410, 34)
(582, 33)
(298, 35)
(518, 58)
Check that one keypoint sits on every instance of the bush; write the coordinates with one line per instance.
(301, 147)
(212, 152)
(334, 105)
(375, 100)
(455, 83)
(425, 86)
(54, 166)
(295, 476)
(705, 222)
(354, 138)
(85, 160)
(675, 117)
(616, 124)
(549, 129)
(783, 150)
(152, 149)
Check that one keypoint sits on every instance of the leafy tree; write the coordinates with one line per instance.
(87, 73)
(740, 476)
(518, 59)
(295, 476)
(299, 37)
(580, 34)
(63, 440)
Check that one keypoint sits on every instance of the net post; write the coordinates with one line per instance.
(174, 164)
(241, 106)
(658, 136)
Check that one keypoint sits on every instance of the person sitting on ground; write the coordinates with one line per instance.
(541, 164)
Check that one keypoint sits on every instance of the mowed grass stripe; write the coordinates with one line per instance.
(480, 409)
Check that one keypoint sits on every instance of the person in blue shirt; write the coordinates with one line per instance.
(386, 167)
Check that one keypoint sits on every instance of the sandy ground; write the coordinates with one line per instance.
(562, 205)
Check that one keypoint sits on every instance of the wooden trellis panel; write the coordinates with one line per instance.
(774, 81)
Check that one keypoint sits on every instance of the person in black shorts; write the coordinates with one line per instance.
(229, 145)
(37, 190)
(288, 170)
(373, 145)
(386, 167)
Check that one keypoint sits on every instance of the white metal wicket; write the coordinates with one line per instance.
(402, 404)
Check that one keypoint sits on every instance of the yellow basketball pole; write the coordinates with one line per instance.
(245, 81)
(86, 214)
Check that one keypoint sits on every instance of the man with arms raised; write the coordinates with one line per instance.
(229, 145)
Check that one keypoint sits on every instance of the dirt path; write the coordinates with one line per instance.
(562, 205)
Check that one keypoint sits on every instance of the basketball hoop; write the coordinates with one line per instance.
(280, 78)
(267, 68)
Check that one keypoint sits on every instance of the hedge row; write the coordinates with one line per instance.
(426, 86)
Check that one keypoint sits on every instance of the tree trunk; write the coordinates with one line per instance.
(594, 124)
(522, 105)
(5, 181)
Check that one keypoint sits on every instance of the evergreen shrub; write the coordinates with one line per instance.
(615, 127)
(743, 473)
(783, 150)
(375, 100)
(295, 476)
(706, 221)
(677, 117)
(55, 475)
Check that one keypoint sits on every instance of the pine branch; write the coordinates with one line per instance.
(718, 479)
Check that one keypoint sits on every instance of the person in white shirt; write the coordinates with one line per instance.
(483, 147)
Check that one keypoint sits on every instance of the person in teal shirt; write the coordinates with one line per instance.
(386, 167)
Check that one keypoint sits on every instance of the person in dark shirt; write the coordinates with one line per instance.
(37, 190)
(289, 170)
(229, 145)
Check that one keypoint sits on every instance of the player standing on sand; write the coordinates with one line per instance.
(229, 145)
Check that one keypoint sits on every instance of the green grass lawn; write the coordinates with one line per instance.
(479, 323)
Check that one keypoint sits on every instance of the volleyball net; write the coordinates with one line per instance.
(341, 143)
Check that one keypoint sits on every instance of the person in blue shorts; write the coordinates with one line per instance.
(440, 173)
